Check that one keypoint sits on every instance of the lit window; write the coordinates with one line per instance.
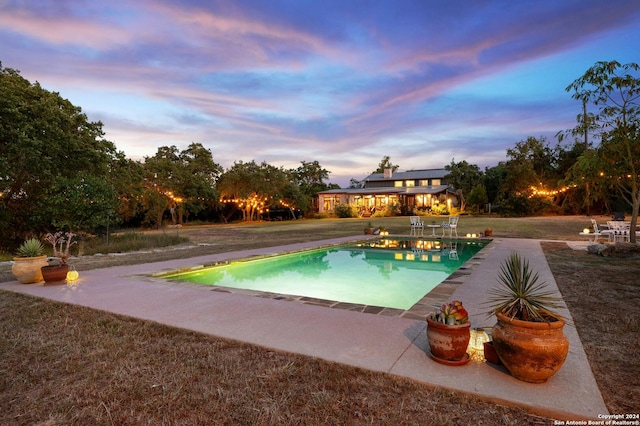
(435, 182)
(409, 183)
(397, 183)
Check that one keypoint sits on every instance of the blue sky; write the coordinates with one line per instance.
(341, 82)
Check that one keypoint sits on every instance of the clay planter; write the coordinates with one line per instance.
(369, 231)
(531, 351)
(27, 269)
(55, 273)
(490, 353)
(448, 343)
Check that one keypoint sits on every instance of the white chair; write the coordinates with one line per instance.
(417, 225)
(619, 230)
(453, 253)
(451, 225)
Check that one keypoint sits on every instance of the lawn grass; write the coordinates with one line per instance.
(64, 364)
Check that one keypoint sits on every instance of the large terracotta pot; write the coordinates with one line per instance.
(55, 273)
(27, 269)
(448, 343)
(531, 351)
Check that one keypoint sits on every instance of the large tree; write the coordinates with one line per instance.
(185, 179)
(614, 90)
(463, 177)
(310, 177)
(44, 140)
(253, 188)
(386, 163)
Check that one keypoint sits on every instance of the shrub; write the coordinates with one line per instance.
(345, 210)
(439, 209)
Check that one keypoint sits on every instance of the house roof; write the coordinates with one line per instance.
(409, 175)
(400, 190)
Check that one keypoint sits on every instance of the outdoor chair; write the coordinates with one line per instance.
(619, 231)
(417, 225)
(451, 225)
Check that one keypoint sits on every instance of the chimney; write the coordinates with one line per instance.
(388, 173)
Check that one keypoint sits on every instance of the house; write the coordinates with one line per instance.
(412, 190)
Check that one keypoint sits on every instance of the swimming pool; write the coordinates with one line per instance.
(393, 273)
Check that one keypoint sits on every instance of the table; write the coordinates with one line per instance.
(433, 229)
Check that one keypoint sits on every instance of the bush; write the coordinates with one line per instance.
(390, 210)
(440, 210)
(345, 210)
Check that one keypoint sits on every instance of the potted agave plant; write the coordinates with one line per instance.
(528, 336)
(369, 229)
(28, 261)
(448, 334)
(58, 268)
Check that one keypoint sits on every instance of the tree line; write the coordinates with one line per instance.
(57, 171)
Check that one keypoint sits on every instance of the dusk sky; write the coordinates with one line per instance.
(341, 82)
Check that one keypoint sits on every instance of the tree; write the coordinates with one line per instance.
(356, 184)
(493, 177)
(614, 89)
(529, 178)
(44, 140)
(310, 179)
(81, 202)
(463, 177)
(385, 163)
(127, 178)
(253, 187)
(198, 180)
(478, 197)
(186, 179)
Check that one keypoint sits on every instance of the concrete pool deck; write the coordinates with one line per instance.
(390, 344)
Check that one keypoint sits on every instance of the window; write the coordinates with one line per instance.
(329, 203)
(435, 182)
(424, 182)
(409, 183)
(397, 183)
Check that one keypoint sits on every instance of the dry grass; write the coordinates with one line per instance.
(603, 295)
(65, 364)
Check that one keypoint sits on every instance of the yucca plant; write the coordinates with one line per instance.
(30, 248)
(520, 294)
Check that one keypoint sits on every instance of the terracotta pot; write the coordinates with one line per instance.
(448, 343)
(27, 269)
(368, 231)
(488, 232)
(55, 273)
(490, 353)
(531, 351)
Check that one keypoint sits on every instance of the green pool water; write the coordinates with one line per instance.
(390, 273)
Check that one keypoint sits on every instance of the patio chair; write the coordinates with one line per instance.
(417, 225)
(451, 225)
(619, 231)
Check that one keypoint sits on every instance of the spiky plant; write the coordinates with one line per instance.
(30, 248)
(519, 293)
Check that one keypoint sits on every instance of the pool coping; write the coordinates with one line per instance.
(431, 301)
